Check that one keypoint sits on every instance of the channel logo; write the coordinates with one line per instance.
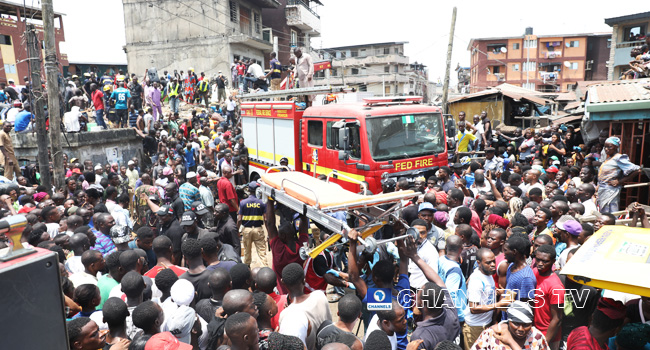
(379, 299)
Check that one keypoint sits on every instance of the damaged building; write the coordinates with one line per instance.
(206, 35)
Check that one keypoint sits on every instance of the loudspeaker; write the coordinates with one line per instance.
(32, 304)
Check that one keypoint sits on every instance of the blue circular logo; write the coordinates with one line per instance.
(379, 295)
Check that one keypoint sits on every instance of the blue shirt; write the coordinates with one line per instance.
(23, 118)
(276, 69)
(404, 300)
(523, 282)
(452, 275)
(121, 95)
(188, 194)
(190, 157)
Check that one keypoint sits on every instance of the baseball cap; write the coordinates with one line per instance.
(166, 341)
(457, 165)
(562, 220)
(426, 206)
(190, 175)
(120, 234)
(253, 185)
(552, 169)
(180, 323)
(284, 159)
(188, 218)
(199, 208)
(17, 103)
(167, 171)
(165, 210)
(130, 163)
(182, 292)
(573, 227)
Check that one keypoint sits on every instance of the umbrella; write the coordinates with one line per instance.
(614, 258)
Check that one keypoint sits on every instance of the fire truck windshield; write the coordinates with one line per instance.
(405, 136)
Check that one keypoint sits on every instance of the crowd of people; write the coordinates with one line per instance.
(158, 253)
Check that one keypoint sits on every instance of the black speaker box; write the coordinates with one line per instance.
(32, 312)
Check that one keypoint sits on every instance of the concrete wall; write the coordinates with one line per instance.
(101, 146)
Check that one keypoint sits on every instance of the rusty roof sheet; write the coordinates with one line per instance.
(566, 96)
(619, 91)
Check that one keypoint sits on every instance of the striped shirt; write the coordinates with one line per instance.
(188, 194)
(104, 244)
(252, 212)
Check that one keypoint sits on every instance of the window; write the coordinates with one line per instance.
(495, 70)
(362, 53)
(354, 141)
(530, 86)
(233, 11)
(396, 69)
(387, 89)
(387, 69)
(354, 53)
(515, 46)
(530, 44)
(258, 23)
(5, 40)
(319, 74)
(515, 67)
(334, 72)
(386, 50)
(609, 43)
(315, 133)
(529, 66)
(355, 71)
(573, 43)
(10, 68)
(574, 66)
(396, 50)
(294, 38)
(633, 33)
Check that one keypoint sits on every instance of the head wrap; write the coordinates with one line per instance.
(441, 197)
(39, 196)
(441, 217)
(633, 336)
(614, 141)
(529, 214)
(520, 312)
(613, 309)
(495, 219)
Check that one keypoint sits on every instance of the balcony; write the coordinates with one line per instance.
(549, 77)
(302, 17)
(244, 34)
(552, 54)
(371, 60)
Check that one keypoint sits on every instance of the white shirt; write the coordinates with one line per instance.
(121, 217)
(561, 261)
(525, 188)
(256, 71)
(231, 105)
(481, 290)
(11, 114)
(294, 322)
(374, 326)
(429, 254)
(71, 120)
(450, 224)
(590, 207)
(53, 229)
(74, 265)
(82, 277)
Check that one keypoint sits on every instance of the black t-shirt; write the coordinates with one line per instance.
(11, 92)
(136, 91)
(583, 302)
(150, 145)
(175, 232)
(220, 83)
(410, 213)
(322, 264)
(206, 308)
(551, 153)
(200, 282)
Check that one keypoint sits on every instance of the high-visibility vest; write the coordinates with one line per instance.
(173, 91)
(203, 86)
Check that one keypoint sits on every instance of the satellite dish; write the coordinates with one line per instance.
(567, 64)
(503, 49)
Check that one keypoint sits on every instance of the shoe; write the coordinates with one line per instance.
(334, 298)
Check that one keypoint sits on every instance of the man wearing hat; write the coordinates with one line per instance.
(132, 173)
(493, 163)
(188, 191)
(204, 214)
(170, 227)
(568, 232)
(250, 220)
(190, 226)
(121, 236)
(13, 111)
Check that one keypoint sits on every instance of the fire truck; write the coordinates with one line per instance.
(389, 137)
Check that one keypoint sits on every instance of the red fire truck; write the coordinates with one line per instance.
(381, 137)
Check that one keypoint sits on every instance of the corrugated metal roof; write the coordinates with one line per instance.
(566, 96)
(514, 92)
(619, 91)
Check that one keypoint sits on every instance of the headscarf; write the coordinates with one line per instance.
(520, 312)
(441, 217)
(441, 197)
(40, 196)
(495, 219)
(614, 141)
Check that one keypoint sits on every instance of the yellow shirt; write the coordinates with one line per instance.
(463, 140)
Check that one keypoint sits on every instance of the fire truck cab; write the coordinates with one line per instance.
(382, 137)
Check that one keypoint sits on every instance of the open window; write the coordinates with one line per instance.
(345, 136)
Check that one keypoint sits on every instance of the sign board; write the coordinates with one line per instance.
(379, 299)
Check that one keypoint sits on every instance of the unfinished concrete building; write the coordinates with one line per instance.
(206, 35)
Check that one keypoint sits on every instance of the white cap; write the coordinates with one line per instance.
(98, 167)
(131, 163)
(190, 175)
(182, 292)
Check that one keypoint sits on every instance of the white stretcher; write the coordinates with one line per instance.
(315, 199)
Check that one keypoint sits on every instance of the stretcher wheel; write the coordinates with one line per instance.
(304, 252)
(370, 245)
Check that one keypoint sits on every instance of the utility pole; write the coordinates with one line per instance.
(52, 74)
(445, 88)
(34, 54)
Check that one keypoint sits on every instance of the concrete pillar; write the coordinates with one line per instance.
(612, 51)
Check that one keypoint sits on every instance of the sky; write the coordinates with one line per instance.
(423, 23)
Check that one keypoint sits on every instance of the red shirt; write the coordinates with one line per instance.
(281, 301)
(241, 69)
(98, 99)
(498, 259)
(226, 192)
(283, 256)
(475, 222)
(581, 339)
(154, 271)
(549, 291)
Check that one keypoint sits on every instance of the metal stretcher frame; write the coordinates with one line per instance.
(376, 217)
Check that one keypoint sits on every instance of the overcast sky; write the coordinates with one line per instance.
(94, 29)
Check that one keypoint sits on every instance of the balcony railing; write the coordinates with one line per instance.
(630, 44)
(302, 3)
(552, 54)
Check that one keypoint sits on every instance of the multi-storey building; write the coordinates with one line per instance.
(545, 63)
(627, 32)
(204, 35)
(13, 52)
(380, 68)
